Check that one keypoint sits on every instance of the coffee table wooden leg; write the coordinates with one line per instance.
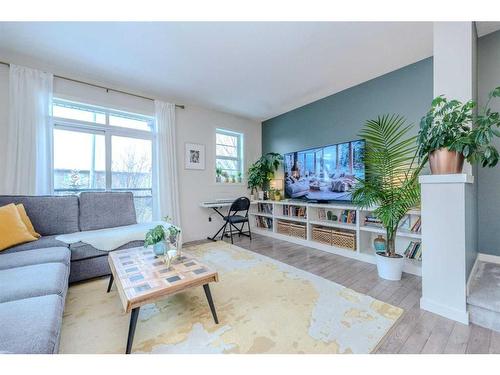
(131, 329)
(211, 302)
(111, 278)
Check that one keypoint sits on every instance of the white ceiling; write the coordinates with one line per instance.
(256, 70)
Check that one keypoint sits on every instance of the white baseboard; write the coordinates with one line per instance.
(488, 258)
(447, 312)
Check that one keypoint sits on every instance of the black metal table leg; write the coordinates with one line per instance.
(111, 278)
(214, 238)
(211, 302)
(131, 329)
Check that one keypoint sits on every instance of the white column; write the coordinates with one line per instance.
(454, 62)
(446, 213)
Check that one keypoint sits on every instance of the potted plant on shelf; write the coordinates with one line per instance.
(391, 183)
(451, 132)
(218, 174)
(262, 171)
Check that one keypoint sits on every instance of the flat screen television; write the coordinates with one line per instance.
(326, 173)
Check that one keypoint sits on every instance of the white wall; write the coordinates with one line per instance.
(194, 125)
(197, 125)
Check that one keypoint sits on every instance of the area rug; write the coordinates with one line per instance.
(264, 306)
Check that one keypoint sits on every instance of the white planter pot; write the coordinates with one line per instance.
(389, 268)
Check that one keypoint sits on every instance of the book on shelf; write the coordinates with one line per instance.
(414, 250)
(264, 222)
(373, 221)
(345, 216)
(416, 227)
(265, 208)
(295, 211)
(348, 217)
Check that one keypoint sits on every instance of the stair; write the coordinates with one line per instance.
(483, 301)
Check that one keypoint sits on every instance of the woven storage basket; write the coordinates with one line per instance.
(344, 239)
(298, 230)
(284, 227)
(322, 235)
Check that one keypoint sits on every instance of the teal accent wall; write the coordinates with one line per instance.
(339, 117)
(488, 179)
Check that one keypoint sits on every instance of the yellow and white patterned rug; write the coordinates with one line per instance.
(263, 305)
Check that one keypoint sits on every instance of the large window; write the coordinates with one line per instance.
(229, 156)
(100, 149)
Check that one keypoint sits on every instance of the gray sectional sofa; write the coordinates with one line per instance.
(34, 276)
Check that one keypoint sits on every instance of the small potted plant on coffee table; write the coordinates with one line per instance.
(156, 237)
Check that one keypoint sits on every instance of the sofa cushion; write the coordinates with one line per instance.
(32, 325)
(42, 243)
(49, 214)
(99, 210)
(38, 256)
(33, 281)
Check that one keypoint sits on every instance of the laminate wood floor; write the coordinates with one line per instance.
(418, 331)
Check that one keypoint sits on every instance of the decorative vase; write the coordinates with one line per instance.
(444, 161)
(160, 248)
(261, 195)
(379, 243)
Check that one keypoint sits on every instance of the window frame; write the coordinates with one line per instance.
(240, 151)
(108, 131)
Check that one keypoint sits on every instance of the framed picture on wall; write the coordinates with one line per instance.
(194, 156)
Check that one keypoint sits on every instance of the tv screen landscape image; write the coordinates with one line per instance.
(325, 173)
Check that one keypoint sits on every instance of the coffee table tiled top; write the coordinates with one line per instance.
(142, 278)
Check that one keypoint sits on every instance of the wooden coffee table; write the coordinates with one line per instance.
(141, 278)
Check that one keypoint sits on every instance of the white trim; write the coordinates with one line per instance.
(437, 308)
(458, 178)
(488, 258)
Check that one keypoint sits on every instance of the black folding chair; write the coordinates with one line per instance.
(241, 204)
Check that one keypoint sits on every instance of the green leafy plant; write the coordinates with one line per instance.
(262, 171)
(391, 179)
(453, 125)
(155, 235)
(160, 233)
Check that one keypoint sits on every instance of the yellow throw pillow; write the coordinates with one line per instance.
(12, 229)
(26, 220)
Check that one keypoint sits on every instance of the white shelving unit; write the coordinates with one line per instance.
(272, 212)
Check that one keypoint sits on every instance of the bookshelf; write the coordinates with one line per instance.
(340, 229)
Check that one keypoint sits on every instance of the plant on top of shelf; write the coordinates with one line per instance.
(262, 171)
(391, 182)
(451, 131)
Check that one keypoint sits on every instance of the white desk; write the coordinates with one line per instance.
(216, 205)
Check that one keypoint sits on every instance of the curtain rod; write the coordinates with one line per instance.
(181, 106)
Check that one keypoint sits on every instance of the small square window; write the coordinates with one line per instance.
(229, 156)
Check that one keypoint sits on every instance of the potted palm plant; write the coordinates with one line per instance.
(391, 186)
(262, 171)
(451, 132)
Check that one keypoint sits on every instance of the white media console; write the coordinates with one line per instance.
(312, 217)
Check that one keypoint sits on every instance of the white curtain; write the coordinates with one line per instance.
(28, 168)
(165, 179)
